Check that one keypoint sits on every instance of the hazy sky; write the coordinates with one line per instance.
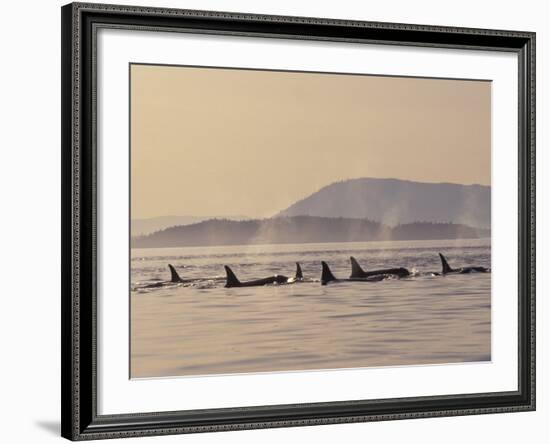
(215, 142)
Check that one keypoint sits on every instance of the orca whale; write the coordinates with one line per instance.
(233, 281)
(175, 279)
(358, 272)
(446, 268)
(327, 276)
(298, 277)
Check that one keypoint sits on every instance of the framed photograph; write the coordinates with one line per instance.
(282, 221)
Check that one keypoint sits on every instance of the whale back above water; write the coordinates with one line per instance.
(356, 269)
(358, 272)
(233, 281)
(446, 268)
(327, 276)
(174, 276)
(299, 275)
(174, 279)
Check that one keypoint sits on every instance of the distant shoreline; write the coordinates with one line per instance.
(301, 230)
(314, 243)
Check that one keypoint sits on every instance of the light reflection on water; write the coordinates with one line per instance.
(203, 328)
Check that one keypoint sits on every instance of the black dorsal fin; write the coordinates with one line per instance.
(445, 268)
(299, 274)
(232, 280)
(175, 277)
(326, 275)
(356, 270)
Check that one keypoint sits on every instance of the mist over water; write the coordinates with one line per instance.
(202, 328)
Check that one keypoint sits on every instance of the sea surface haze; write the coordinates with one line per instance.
(202, 328)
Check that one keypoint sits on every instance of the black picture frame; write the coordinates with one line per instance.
(80, 420)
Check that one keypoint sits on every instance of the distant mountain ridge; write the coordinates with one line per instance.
(393, 202)
(299, 229)
(145, 226)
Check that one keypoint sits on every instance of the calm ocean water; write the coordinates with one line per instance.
(202, 328)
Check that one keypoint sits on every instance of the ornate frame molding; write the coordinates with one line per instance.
(80, 420)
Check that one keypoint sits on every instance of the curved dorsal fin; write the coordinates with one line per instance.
(356, 270)
(175, 277)
(444, 265)
(299, 274)
(326, 275)
(232, 280)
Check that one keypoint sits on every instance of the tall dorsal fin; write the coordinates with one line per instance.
(356, 270)
(445, 268)
(299, 274)
(175, 277)
(326, 275)
(232, 280)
